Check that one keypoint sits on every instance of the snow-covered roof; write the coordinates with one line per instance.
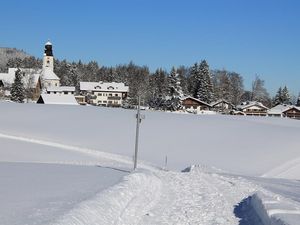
(48, 43)
(103, 86)
(57, 99)
(48, 74)
(279, 109)
(246, 105)
(30, 76)
(61, 89)
(220, 101)
(292, 107)
(195, 99)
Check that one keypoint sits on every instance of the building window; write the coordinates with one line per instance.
(116, 95)
(110, 95)
(104, 101)
(109, 102)
(99, 94)
(65, 92)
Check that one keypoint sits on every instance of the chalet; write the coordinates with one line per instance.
(222, 106)
(190, 103)
(278, 110)
(292, 112)
(30, 77)
(104, 94)
(253, 109)
(55, 99)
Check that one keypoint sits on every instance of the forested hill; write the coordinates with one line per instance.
(10, 53)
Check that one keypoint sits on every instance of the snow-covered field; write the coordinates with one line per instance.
(70, 165)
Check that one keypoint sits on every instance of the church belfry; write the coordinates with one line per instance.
(48, 56)
(48, 49)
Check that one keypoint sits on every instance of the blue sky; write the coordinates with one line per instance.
(249, 37)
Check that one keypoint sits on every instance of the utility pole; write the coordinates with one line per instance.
(139, 118)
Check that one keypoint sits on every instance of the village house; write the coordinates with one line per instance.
(104, 94)
(190, 103)
(277, 111)
(253, 109)
(222, 106)
(30, 77)
(292, 112)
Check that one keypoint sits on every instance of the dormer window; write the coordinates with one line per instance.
(110, 88)
(97, 87)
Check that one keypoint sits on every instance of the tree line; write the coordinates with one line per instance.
(163, 89)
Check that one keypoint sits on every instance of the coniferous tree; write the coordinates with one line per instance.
(157, 89)
(17, 90)
(204, 87)
(298, 101)
(173, 100)
(285, 96)
(277, 99)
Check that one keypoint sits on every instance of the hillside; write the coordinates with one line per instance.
(10, 53)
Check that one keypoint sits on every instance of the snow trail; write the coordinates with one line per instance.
(124, 203)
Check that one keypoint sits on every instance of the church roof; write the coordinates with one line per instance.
(48, 74)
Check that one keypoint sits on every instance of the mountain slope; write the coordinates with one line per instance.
(10, 53)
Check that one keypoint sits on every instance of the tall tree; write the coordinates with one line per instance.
(298, 100)
(173, 101)
(17, 88)
(204, 87)
(157, 89)
(259, 92)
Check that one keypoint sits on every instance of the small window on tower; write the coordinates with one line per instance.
(48, 61)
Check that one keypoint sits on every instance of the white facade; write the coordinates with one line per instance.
(104, 94)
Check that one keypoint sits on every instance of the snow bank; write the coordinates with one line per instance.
(272, 210)
(120, 204)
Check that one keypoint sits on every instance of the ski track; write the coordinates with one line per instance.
(101, 156)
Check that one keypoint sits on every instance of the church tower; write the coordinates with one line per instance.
(48, 56)
(49, 78)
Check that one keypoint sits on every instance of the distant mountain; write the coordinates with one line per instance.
(10, 53)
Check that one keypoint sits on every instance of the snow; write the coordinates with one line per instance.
(61, 89)
(58, 99)
(48, 74)
(38, 193)
(31, 75)
(103, 86)
(243, 145)
(70, 165)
